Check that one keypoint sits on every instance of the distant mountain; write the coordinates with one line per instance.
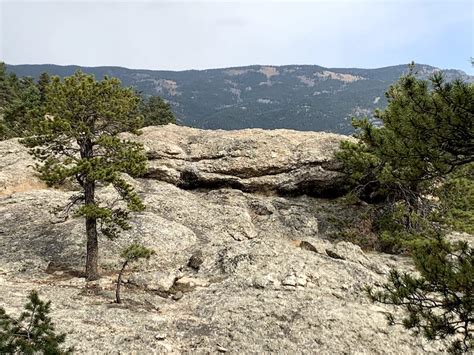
(301, 97)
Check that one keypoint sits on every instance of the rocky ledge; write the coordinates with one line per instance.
(251, 160)
(234, 271)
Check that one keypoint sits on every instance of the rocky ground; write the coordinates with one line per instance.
(245, 256)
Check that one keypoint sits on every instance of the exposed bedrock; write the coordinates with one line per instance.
(234, 271)
(251, 160)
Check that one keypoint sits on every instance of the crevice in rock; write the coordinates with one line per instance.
(247, 172)
(156, 156)
(189, 180)
(309, 188)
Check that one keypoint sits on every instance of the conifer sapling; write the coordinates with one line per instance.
(133, 253)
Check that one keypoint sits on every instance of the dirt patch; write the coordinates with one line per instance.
(347, 78)
(22, 187)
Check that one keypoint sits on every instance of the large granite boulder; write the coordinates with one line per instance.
(252, 160)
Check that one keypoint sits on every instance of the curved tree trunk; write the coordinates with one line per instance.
(119, 282)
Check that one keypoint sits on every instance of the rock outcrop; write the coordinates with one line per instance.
(234, 271)
(281, 161)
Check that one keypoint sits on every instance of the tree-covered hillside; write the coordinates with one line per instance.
(302, 97)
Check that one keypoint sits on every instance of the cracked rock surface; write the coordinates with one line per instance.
(251, 160)
(234, 271)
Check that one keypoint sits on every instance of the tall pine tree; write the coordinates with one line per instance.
(77, 138)
(43, 82)
(420, 166)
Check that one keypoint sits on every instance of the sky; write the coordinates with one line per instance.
(193, 34)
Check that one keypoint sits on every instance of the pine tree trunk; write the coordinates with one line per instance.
(119, 282)
(92, 256)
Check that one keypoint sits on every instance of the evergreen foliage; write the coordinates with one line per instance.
(418, 168)
(132, 253)
(425, 149)
(156, 112)
(76, 138)
(427, 133)
(18, 98)
(19, 115)
(440, 301)
(22, 100)
(43, 81)
(456, 196)
(32, 332)
(7, 93)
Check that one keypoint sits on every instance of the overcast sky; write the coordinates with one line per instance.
(208, 34)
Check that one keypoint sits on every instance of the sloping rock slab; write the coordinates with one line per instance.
(256, 289)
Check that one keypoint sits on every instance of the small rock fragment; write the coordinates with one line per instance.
(221, 349)
(308, 246)
(177, 296)
(189, 283)
(334, 255)
(290, 280)
(160, 336)
(301, 280)
(196, 260)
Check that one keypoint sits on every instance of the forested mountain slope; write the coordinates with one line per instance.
(301, 97)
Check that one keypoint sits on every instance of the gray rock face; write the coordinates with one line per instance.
(250, 160)
(234, 271)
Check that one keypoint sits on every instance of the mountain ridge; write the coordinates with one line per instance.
(226, 67)
(301, 97)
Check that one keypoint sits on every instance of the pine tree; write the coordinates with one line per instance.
(43, 82)
(156, 112)
(131, 254)
(7, 92)
(77, 138)
(440, 301)
(424, 147)
(427, 133)
(33, 332)
(22, 110)
(7, 95)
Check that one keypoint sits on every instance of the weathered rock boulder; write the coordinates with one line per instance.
(264, 281)
(234, 271)
(252, 160)
(281, 161)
